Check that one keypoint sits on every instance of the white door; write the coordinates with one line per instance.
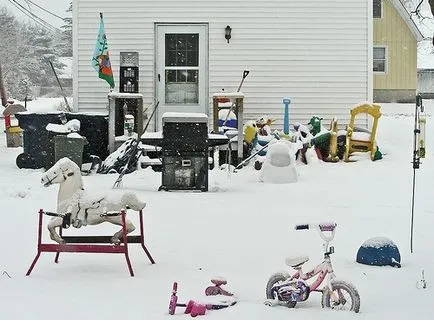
(182, 68)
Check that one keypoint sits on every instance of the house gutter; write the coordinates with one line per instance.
(399, 6)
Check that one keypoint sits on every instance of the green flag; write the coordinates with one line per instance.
(101, 59)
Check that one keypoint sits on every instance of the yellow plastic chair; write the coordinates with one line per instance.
(359, 141)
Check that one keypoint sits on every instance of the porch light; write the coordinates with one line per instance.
(228, 31)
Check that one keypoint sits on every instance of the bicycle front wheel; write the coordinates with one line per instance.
(344, 296)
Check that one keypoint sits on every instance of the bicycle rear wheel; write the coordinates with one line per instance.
(271, 294)
(344, 296)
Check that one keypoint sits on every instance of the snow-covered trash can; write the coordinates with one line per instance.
(66, 142)
(70, 146)
(379, 251)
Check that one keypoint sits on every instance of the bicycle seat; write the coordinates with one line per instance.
(296, 261)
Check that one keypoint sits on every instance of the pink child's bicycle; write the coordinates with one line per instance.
(286, 289)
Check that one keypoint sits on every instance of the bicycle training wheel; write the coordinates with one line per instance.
(276, 278)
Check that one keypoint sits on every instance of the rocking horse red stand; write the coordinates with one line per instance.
(91, 244)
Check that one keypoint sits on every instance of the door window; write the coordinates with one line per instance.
(182, 68)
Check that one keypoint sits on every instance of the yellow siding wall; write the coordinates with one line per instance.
(393, 32)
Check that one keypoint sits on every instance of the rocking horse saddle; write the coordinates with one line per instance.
(295, 262)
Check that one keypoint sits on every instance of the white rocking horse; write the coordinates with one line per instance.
(86, 208)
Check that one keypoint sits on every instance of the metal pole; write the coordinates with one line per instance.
(412, 210)
(416, 164)
(25, 98)
(61, 88)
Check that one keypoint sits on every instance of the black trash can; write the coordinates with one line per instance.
(38, 143)
(94, 127)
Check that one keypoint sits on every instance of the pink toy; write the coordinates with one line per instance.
(195, 308)
(192, 307)
(217, 289)
(285, 289)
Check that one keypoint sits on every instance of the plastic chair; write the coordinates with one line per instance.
(359, 140)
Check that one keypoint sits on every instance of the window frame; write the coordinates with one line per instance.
(386, 60)
(381, 9)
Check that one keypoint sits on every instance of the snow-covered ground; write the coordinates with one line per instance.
(241, 230)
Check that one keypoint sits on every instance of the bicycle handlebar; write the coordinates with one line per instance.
(324, 226)
(321, 227)
(328, 226)
(301, 226)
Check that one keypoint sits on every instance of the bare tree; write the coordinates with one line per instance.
(2, 89)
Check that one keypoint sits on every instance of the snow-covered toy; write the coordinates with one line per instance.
(77, 208)
(285, 289)
(305, 150)
(325, 141)
(250, 132)
(250, 137)
(314, 125)
(86, 207)
(379, 251)
(89, 244)
(217, 289)
(192, 307)
(265, 135)
(279, 164)
(358, 140)
(263, 140)
(302, 132)
(263, 125)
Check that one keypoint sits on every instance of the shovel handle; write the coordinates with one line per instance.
(245, 73)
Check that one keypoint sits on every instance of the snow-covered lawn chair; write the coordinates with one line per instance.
(360, 141)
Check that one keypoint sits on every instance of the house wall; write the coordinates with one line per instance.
(317, 53)
(400, 81)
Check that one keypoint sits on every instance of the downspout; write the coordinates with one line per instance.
(370, 49)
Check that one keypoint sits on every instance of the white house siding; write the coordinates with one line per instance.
(317, 52)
